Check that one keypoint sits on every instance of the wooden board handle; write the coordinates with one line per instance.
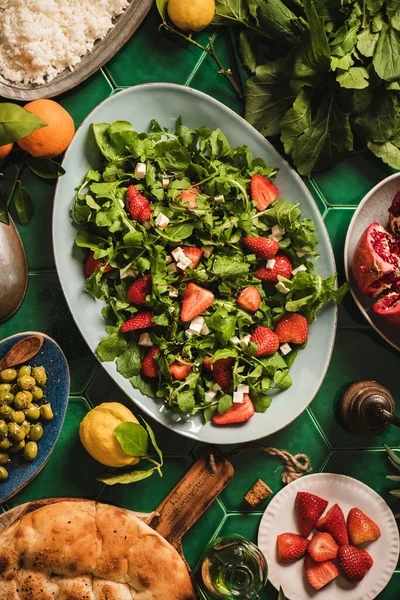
(191, 497)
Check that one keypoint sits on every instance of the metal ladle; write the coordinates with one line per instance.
(13, 270)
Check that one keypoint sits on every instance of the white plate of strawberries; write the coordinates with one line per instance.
(329, 536)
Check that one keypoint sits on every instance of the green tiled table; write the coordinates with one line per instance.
(359, 352)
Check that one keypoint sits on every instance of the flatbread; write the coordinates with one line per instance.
(89, 551)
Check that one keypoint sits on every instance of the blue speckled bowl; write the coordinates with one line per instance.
(52, 358)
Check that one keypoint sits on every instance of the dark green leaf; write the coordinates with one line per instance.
(16, 123)
(129, 362)
(133, 438)
(225, 403)
(153, 440)
(367, 42)
(246, 52)
(297, 119)
(180, 231)
(23, 204)
(45, 168)
(142, 385)
(225, 267)
(4, 217)
(354, 78)
(388, 152)
(387, 54)
(229, 11)
(111, 347)
(261, 402)
(278, 21)
(319, 41)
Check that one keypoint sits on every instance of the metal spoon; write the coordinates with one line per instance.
(13, 270)
(22, 351)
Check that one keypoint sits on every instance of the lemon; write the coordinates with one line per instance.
(191, 15)
(97, 434)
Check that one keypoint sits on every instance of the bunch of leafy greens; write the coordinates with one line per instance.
(325, 75)
(203, 158)
(134, 440)
(15, 124)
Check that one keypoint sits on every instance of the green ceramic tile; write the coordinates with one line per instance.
(201, 533)
(70, 471)
(391, 591)
(146, 495)
(80, 101)
(348, 182)
(44, 309)
(102, 388)
(357, 355)
(337, 222)
(151, 56)
(316, 195)
(300, 436)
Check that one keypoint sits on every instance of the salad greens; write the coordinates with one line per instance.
(224, 214)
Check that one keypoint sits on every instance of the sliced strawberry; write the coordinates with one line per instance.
(323, 547)
(333, 522)
(361, 528)
(354, 562)
(291, 547)
(222, 372)
(262, 247)
(282, 267)
(93, 264)
(292, 328)
(309, 508)
(320, 574)
(179, 370)
(249, 299)
(195, 301)
(194, 254)
(207, 362)
(149, 364)
(139, 290)
(239, 413)
(262, 191)
(141, 320)
(267, 342)
(189, 196)
(138, 207)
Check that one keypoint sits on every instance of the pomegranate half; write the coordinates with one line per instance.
(394, 215)
(388, 308)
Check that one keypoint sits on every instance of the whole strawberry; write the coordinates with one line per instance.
(292, 328)
(354, 562)
(262, 247)
(138, 206)
(93, 264)
(139, 290)
(141, 320)
(266, 340)
(282, 267)
(149, 366)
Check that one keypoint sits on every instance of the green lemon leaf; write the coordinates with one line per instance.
(45, 168)
(23, 204)
(153, 440)
(16, 123)
(133, 438)
(125, 477)
(4, 217)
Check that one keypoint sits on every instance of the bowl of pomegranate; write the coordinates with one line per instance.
(372, 258)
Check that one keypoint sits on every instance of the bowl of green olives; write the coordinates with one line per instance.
(33, 403)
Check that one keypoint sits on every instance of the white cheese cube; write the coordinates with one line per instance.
(196, 325)
(276, 238)
(281, 287)
(172, 268)
(162, 221)
(205, 330)
(165, 182)
(123, 273)
(301, 253)
(178, 253)
(198, 319)
(185, 260)
(270, 263)
(140, 170)
(189, 334)
(207, 251)
(277, 230)
(173, 292)
(285, 349)
(245, 341)
(243, 388)
(181, 265)
(168, 260)
(219, 199)
(235, 340)
(238, 397)
(300, 268)
(209, 396)
(145, 340)
(216, 387)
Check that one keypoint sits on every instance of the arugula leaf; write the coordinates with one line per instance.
(297, 119)
(111, 347)
(387, 54)
(224, 267)
(129, 362)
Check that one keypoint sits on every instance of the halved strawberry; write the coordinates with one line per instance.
(138, 207)
(292, 328)
(141, 320)
(309, 508)
(267, 342)
(361, 528)
(249, 299)
(323, 547)
(333, 522)
(262, 191)
(194, 254)
(189, 196)
(149, 366)
(320, 574)
(291, 547)
(262, 247)
(282, 267)
(354, 562)
(195, 301)
(221, 370)
(239, 413)
(179, 370)
(93, 264)
(139, 290)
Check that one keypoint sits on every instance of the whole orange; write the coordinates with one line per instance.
(56, 136)
(5, 150)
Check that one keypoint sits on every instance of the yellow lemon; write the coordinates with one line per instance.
(97, 434)
(191, 15)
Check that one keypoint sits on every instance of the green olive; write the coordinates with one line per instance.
(17, 447)
(24, 370)
(40, 375)
(5, 412)
(46, 412)
(32, 412)
(6, 397)
(22, 400)
(18, 416)
(3, 473)
(4, 458)
(6, 387)
(26, 426)
(8, 375)
(36, 432)
(30, 451)
(5, 444)
(3, 430)
(37, 392)
(15, 388)
(16, 433)
(26, 382)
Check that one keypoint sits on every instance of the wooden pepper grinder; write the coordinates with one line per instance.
(368, 408)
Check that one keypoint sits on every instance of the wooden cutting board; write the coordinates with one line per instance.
(176, 514)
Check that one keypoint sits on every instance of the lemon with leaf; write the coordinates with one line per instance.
(192, 15)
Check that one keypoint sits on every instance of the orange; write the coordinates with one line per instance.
(5, 150)
(56, 136)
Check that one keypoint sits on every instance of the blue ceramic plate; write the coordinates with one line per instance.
(51, 357)
(165, 102)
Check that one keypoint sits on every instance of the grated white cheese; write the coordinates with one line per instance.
(41, 38)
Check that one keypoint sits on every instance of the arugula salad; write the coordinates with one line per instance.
(207, 274)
